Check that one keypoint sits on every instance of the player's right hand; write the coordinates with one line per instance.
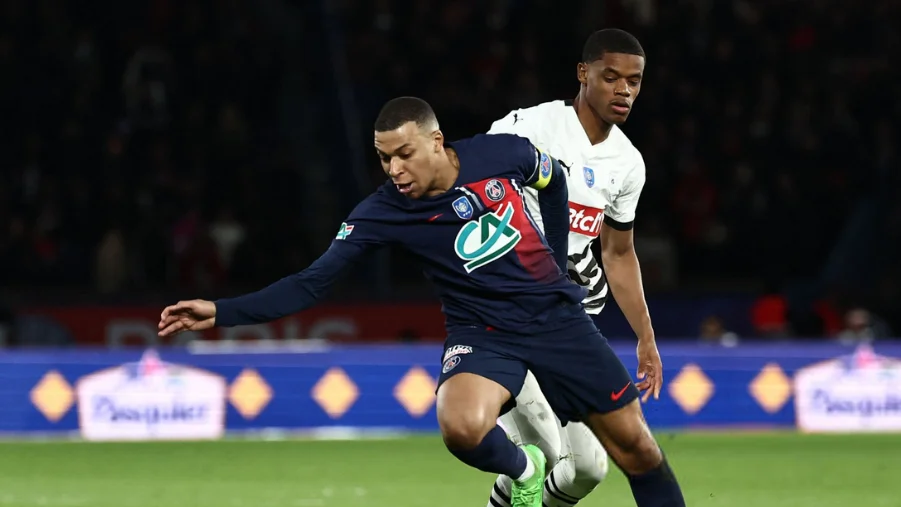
(650, 369)
(194, 315)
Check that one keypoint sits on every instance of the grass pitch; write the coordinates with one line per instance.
(716, 470)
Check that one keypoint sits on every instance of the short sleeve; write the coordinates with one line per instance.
(620, 215)
(517, 122)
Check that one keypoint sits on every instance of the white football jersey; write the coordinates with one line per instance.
(604, 180)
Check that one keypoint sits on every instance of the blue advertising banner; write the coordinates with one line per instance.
(176, 394)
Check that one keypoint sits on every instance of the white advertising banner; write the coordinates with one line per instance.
(151, 400)
(857, 393)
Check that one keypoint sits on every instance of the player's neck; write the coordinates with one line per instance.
(595, 128)
(447, 173)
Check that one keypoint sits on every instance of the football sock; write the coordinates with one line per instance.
(657, 488)
(562, 488)
(496, 454)
(500, 492)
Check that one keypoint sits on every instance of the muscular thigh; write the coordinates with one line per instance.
(470, 399)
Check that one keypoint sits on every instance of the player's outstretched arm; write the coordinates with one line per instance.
(549, 179)
(289, 295)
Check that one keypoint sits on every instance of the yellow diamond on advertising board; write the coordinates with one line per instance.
(52, 396)
(335, 392)
(771, 388)
(416, 392)
(691, 389)
(249, 393)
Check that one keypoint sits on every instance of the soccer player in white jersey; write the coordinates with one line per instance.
(606, 176)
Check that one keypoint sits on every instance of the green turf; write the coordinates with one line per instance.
(752, 470)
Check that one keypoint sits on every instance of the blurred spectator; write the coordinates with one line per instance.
(148, 82)
(769, 316)
(862, 327)
(111, 268)
(713, 331)
(228, 234)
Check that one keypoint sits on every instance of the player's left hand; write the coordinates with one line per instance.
(194, 315)
(650, 369)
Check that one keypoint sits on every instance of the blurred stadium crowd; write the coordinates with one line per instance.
(212, 145)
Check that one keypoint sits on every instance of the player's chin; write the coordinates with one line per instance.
(413, 193)
(617, 117)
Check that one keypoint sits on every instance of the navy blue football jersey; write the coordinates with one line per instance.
(490, 263)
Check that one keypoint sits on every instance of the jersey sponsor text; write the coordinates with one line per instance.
(585, 219)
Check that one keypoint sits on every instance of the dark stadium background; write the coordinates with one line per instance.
(168, 149)
(157, 150)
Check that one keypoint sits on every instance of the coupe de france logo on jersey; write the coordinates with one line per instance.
(462, 208)
(589, 176)
(482, 242)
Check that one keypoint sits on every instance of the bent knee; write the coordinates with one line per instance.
(639, 454)
(465, 430)
(591, 467)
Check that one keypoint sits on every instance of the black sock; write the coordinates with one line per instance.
(495, 454)
(657, 488)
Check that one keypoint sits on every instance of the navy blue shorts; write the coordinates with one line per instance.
(574, 364)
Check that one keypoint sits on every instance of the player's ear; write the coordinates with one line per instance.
(438, 139)
(582, 72)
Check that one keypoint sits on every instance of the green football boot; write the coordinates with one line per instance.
(530, 492)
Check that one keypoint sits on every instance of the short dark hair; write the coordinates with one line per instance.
(610, 40)
(397, 112)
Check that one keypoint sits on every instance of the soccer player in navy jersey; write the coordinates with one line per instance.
(508, 304)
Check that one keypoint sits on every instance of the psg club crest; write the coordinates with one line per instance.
(462, 208)
(450, 364)
(494, 189)
(545, 166)
(453, 356)
(589, 176)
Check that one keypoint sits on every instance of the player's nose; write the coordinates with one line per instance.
(395, 168)
(623, 89)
